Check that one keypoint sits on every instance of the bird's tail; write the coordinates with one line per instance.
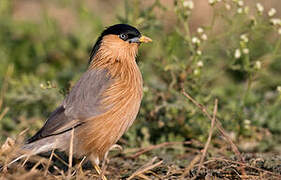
(31, 149)
(40, 146)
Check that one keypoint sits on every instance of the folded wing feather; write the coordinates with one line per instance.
(83, 102)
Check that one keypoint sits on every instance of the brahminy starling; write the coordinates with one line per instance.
(104, 102)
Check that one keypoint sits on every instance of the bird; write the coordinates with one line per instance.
(102, 104)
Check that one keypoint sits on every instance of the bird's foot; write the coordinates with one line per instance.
(100, 172)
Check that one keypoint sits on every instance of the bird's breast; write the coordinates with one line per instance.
(121, 100)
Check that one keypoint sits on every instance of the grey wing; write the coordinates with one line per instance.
(82, 102)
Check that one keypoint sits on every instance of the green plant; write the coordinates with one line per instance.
(235, 57)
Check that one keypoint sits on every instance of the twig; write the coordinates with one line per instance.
(59, 171)
(49, 162)
(36, 165)
(243, 164)
(145, 168)
(220, 128)
(25, 161)
(149, 148)
(79, 167)
(70, 154)
(190, 166)
(209, 137)
(3, 113)
(144, 177)
(22, 132)
(61, 160)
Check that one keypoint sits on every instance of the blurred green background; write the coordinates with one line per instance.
(227, 50)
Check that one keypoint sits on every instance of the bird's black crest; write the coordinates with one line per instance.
(117, 30)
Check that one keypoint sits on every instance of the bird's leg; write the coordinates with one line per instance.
(99, 171)
(95, 163)
(105, 159)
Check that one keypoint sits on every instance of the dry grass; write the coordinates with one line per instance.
(201, 165)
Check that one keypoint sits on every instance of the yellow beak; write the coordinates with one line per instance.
(144, 39)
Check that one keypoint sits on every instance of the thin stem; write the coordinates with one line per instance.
(187, 34)
(249, 84)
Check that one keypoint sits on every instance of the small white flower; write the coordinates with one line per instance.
(227, 7)
(275, 21)
(188, 4)
(258, 65)
(246, 51)
(240, 3)
(244, 38)
(199, 52)
(200, 64)
(260, 7)
(247, 121)
(272, 12)
(195, 40)
(237, 53)
(279, 31)
(200, 30)
(204, 37)
(240, 10)
(212, 2)
(278, 89)
(196, 72)
(145, 89)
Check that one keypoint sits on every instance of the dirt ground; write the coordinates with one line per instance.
(164, 161)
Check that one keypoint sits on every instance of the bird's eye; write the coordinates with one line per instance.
(123, 36)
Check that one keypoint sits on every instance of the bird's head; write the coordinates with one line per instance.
(118, 42)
